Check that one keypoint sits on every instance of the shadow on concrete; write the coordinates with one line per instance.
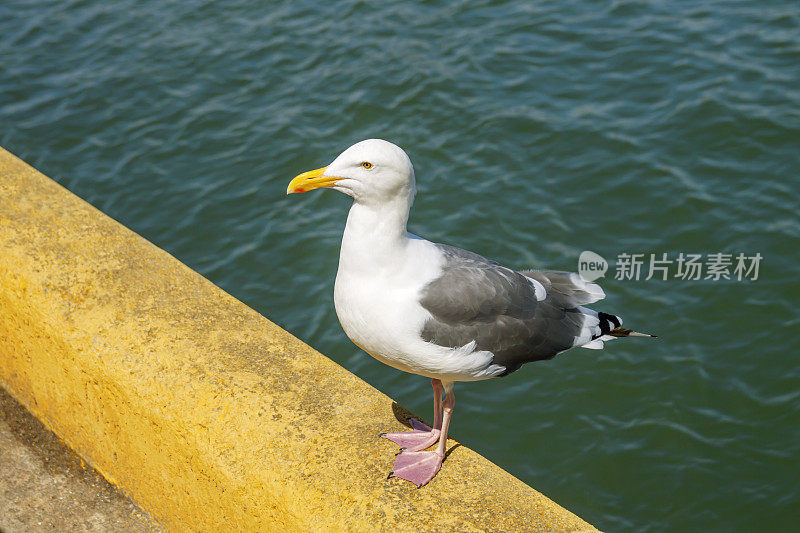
(402, 414)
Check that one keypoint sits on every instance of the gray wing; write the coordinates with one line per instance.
(479, 300)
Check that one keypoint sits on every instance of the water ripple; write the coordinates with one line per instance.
(537, 130)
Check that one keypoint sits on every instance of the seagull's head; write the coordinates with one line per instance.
(371, 171)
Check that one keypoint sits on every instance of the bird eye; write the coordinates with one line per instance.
(367, 165)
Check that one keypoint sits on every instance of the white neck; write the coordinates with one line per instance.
(375, 235)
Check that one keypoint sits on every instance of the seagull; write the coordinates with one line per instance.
(436, 310)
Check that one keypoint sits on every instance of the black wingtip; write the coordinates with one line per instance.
(625, 332)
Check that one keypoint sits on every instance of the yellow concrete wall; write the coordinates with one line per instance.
(207, 414)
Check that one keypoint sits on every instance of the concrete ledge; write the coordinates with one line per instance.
(204, 412)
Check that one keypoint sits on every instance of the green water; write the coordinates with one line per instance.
(537, 130)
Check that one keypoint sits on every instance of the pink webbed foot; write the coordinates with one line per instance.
(421, 437)
(417, 467)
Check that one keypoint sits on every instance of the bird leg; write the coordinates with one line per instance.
(420, 467)
(421, 436)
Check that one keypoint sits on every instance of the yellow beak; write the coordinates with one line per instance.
(308, 181)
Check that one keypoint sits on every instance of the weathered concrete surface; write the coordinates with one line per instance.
(45, 487)
(204, 412)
